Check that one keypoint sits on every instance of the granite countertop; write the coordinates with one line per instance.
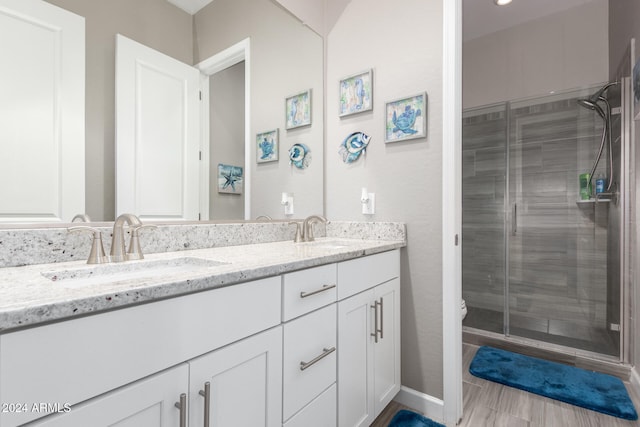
(29, 298)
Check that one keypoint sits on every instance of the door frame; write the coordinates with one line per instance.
(452, 203)
(232, 55)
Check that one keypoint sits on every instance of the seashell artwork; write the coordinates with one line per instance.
(299, 156)
(354, 145)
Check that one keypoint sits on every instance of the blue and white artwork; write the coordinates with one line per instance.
(406, 118)
(356, 94)
(299, 156)
(267, 146)
(354, 145)
(298, 110)
(230, 179)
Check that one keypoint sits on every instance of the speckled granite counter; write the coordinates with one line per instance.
(28, 298)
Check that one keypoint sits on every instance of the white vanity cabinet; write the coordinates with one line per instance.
(72, 361)
(237, 385)
(368, 337)
(318, 347)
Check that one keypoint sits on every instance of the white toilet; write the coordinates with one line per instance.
(463, 309)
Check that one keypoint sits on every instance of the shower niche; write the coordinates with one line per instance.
(538, 263)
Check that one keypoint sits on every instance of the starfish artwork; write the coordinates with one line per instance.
(229, 179)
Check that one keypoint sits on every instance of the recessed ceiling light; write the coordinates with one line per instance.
(501, 2)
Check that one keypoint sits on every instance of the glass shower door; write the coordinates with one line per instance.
(483, 218)
(557, 244)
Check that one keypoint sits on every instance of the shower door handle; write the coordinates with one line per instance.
(514, 219)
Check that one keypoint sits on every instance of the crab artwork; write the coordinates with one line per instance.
(267, 149)
(405, 121)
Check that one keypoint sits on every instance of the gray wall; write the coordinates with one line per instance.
(226, 137)
(557, 52)
(155, 23)
(286, 58)
(402, 42)
(624, 23)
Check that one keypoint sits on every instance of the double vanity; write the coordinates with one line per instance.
(275, 333)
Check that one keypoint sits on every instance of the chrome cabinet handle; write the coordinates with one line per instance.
(381, 318)
(325, 353)
(317, 291)
(514, 220)
(206, 393)
(182, 406)
(375, 321)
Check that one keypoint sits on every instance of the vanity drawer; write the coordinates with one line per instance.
(310, 339)
(307, 290)
(360, 274)
(321, 412)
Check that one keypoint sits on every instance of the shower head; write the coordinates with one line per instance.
(592, 102)
(592, 105)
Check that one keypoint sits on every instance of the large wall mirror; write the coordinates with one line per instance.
(283, 58)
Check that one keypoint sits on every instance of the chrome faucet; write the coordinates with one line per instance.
(307, 227)
(96, 256)
(81, 218)
(118, 253)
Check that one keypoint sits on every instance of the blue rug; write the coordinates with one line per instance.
(404, 418)
(591, 390)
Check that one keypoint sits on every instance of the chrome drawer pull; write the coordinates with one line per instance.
(206, 393)
(381, 318)
(325, 353)
(182, 406)
(317, 291)
(374, 334)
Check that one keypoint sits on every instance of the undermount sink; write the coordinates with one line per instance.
(324, 244)
(147, 269)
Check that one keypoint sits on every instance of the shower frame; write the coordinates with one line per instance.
(624, 184)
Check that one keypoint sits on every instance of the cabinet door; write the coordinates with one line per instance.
(386, 352)
(42, 178)
(245, 383)
(145, 403)
(355, 361)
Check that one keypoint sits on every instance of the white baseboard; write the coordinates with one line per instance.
(635, 380)
(430, 406)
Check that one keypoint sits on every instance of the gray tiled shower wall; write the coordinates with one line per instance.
(558, 252)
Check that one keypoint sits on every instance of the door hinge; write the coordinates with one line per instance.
(456, 240)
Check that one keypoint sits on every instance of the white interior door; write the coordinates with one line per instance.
(41, 112)
(157, 134)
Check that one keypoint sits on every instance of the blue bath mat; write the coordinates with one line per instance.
(404, 418)
(591, 390)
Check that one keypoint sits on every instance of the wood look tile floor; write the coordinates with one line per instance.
(489, 404)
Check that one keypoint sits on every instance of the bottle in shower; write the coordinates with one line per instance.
(601, 183)
(585, 186)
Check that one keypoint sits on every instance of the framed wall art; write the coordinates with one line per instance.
(406, 118)
(267, 146)
(356, 93)
(230, 179)
(298, 110)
